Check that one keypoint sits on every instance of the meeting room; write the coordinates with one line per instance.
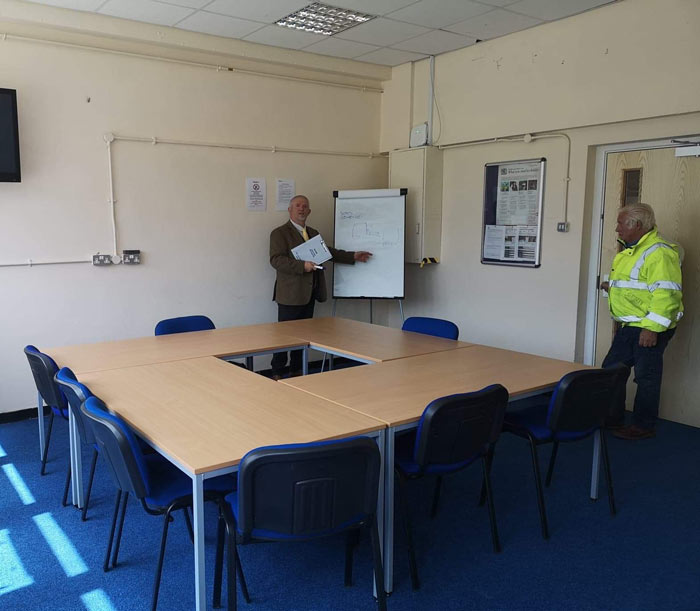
(404, 290)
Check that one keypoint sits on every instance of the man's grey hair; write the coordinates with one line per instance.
(639, 213)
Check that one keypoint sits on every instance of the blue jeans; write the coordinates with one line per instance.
(648, 368)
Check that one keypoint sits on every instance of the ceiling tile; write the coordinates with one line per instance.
(548, 10)
(497, 2)
(188, 3)
(390, 57)
(219, 25)
(277, 36)
(265, 11)
(435, 42)
(340, 48)
(145, 10)
(373, 7)
(439, 13)
(78, 5)
(493, 24)
(382, 32)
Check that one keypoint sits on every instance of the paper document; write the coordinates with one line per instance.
(314, 250)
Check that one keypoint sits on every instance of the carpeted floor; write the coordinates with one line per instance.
(648, 557)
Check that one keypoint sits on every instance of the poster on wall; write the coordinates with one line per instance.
(512, 220)
(255, 194)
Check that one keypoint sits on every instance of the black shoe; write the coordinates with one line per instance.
(614, 425)
(633, 432)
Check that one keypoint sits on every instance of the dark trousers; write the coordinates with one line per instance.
(648, 367)
(291, 312)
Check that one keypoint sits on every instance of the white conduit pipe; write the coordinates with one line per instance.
(528, 138)
(217, 67)
(109, 138)
(32, 263)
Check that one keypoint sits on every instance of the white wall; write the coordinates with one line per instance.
(182, 206)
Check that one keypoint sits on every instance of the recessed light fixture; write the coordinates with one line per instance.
(319, 18)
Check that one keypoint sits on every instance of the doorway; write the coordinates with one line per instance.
(651, 173)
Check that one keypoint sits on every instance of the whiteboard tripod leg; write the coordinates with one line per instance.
(371, 317)
(401, 310)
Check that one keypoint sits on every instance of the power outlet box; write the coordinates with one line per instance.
(562, 227)
(131, 257)
(99, 259)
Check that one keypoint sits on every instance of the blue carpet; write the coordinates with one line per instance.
(648, 557)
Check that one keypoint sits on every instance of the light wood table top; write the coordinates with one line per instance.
(398, 391)
(231, 341)
(206, 414)
(365, 341)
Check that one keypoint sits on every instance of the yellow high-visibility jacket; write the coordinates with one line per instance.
(645, 284)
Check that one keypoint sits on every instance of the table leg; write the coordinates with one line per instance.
(595, 468)
(200, 584)
(381, 442)
(42, 433)
(305, 361)
(388, 548)
(76, 462)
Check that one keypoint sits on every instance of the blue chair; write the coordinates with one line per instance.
(576, 410)
(44, 369)
(453, 432)
(301, 492)
(160, 486)
(184, 324)
(431, 326)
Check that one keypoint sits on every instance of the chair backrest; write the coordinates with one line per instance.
(431, 326)
(457, 428)
(582, 399)
(184, 324)
(44, 369)
(307, 490)
(117, 444)
(76, 394)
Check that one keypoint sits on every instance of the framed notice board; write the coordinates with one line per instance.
(512, 221)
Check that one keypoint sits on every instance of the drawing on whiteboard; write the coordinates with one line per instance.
(367, 232)
(350, 214)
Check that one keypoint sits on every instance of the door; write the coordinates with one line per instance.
(671, 185)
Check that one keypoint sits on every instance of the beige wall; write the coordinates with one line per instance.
(182, 206)
(625, 72)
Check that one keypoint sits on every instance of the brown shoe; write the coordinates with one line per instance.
(276, 378)
(614, 425)
(634, 432)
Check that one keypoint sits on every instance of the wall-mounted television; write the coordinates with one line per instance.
(9, 137)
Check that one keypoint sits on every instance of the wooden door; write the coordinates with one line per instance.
(671, 185)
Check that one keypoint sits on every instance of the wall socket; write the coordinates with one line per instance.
(99, 259)
(131, 257)
(563, 227)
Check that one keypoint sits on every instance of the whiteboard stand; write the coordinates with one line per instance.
(371, 312)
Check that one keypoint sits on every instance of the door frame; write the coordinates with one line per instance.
(601, 164)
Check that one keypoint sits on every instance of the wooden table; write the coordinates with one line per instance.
(363, 341)
(398, 391)
(205, 414)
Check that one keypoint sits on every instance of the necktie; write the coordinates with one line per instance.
(304, 235)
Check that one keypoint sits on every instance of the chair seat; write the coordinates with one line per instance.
(259, 533)
(168, 483)
(403, 458)
(534, 420)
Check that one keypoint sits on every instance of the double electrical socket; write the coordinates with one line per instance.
(128, 257)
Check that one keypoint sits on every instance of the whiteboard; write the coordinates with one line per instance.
(372, 220)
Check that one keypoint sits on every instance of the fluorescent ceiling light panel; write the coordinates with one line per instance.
(319, 18)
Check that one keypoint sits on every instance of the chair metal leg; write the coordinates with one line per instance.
(415, 582)
(538, 486)
(608, 474)
(66, 487)
(46, 444)
(436, 496)
(492, 511)
(552, 458)
(352, 540)
(378, 566)
(241, 578)
(89, 487)
(188, 522)
(161, 554)
(489, 462)
(117, 502)
(119, 530)
(219, 561)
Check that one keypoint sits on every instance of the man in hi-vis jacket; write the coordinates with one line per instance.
(645, 297)
(299, 284)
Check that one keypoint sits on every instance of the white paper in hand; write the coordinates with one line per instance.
(314, 250)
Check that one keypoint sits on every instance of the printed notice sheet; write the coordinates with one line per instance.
(285, 192)
(255, 197)
(314, 250)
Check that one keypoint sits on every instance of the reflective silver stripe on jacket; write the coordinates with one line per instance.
(643, 286)
(659, 320)
(627, 318)
(634, 274)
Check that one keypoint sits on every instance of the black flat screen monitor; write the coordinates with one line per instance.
(9, 137)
